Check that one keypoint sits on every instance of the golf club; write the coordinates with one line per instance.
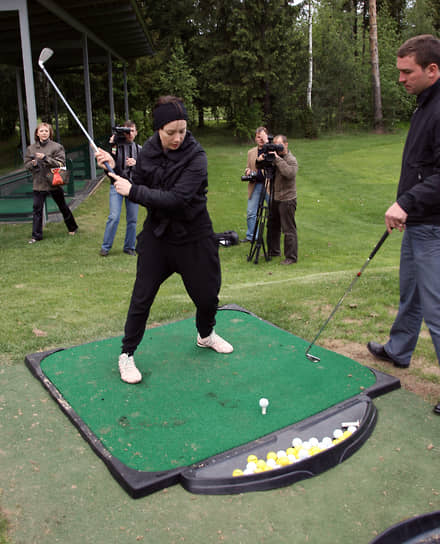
(314, 358)
(45, 55)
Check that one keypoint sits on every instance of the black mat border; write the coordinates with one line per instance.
(140, 483)
(409, 529)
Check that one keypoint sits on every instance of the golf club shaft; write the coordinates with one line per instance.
(350, 287)
(60, 94)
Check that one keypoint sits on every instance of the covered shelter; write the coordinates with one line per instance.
(82, 32)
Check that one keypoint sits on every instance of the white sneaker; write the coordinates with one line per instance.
(128, 370)
(215, 342)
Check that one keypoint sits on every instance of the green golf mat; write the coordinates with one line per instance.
(194, 403)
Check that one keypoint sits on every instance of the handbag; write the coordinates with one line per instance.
(58, 176)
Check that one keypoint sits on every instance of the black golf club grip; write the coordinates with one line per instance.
(379, 243)
(109, 168)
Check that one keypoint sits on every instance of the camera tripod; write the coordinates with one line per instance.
(263, 218)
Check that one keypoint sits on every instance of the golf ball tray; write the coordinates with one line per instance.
(218, 475)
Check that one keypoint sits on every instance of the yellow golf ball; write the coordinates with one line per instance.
(237, 472)
(261, 463)
(283, 461)
(252, 458)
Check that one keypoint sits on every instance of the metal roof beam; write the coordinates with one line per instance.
(74, 23)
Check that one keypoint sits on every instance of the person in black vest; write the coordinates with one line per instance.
(171, 181)
(124, 151)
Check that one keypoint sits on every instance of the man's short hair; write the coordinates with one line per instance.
(425, 48)
(282, 137)
(130, 124)
(261, 129)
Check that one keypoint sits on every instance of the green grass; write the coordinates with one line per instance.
(60, 292)
(64, 289)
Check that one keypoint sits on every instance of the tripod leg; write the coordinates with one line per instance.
(257, 237)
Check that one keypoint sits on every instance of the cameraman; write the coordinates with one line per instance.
(124, 152)
(258, 185)
(283, 206)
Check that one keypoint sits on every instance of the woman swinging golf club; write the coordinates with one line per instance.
(170, 180)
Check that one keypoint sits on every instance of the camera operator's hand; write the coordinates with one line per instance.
(130, 161)
(111, 139)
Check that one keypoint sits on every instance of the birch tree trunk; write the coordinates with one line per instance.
(374, 52)
(310, 80)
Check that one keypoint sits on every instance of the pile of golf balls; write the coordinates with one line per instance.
(299, 449)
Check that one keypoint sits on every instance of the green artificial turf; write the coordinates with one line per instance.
(194, 403)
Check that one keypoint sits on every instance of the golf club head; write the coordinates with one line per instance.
(45, 55)
(312, 358)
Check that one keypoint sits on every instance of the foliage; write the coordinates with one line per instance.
(248, 59)
(177, 78)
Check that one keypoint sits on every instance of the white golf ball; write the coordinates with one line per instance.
(303, 454)
(337, 433)
(281, 453)
(326, 442)
(296, 442)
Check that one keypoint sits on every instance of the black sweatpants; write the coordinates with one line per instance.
(199, 265)
(38, 204)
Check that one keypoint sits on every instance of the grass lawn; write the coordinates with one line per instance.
(60, 292)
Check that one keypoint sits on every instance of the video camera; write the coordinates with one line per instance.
(252, 177)
(120, 133)
(268, 153)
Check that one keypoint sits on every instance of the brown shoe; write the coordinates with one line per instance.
(288, 261)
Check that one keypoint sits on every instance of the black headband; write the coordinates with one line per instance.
(165, 113)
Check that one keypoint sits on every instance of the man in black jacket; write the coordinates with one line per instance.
(417, 208)
(124, 151)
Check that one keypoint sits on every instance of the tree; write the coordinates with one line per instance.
(374, 51)
(177, 77)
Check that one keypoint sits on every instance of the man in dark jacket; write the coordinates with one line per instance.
(124, 151)
(417, 208)
(282, 216)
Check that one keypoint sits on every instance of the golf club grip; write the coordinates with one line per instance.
(109, 168)
(378, 245)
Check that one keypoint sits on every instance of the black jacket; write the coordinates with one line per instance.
(123, 152)
(172, 185)
(418, 192)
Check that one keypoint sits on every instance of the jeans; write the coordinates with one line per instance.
(419, 292)
(252, 209)
(115, 204)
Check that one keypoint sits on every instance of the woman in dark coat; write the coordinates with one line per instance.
(40, 157)
(170, 180)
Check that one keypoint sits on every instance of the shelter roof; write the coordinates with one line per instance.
(110, 25)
